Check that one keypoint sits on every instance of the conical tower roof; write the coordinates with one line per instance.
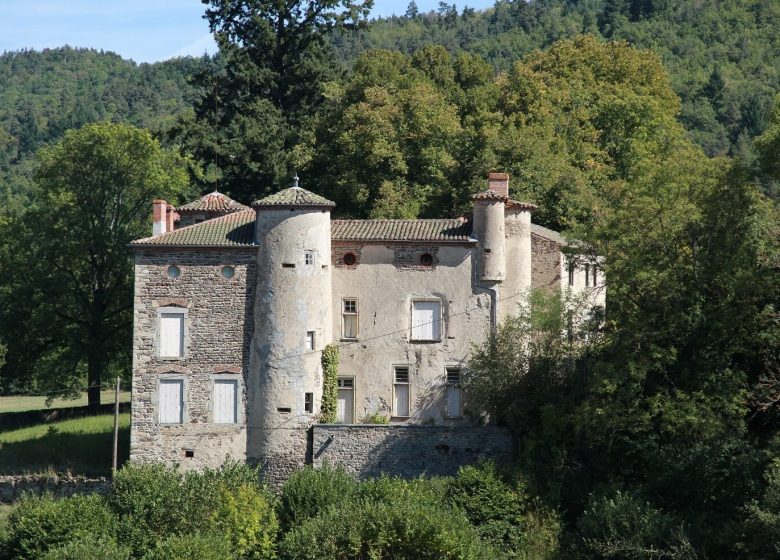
(214, 203)
(294, 196)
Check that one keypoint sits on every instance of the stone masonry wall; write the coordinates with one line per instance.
(218, 327)
(408, 451)
(546, 263)
(13, 487)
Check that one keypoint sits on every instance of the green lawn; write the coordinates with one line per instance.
(19, 404)
(81, 446)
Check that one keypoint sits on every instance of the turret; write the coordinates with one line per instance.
(292, 324)
(489, 228)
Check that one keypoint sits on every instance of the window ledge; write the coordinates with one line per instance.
(171, 358)
(423, 341)
(342, 339)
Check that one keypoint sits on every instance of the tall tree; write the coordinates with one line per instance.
(67, 302)
(273, 62)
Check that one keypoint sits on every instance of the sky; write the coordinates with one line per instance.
(141, 30)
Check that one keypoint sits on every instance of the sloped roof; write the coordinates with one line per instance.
(294, 196)
(214, 202)
(401, 230)
(236, 229)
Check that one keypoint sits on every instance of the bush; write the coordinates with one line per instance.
(40, 523)
(207, 546)
(246, 517)
(623, 526)
(763, 518)
(310, 491)
(376, 418)
(402, 528)
(501, 513)
(88, 548)
(150, 503)
(154, 502)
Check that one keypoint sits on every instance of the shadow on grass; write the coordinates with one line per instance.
(80, 453)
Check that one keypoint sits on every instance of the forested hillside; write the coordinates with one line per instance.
(723, 57)
(43, 94)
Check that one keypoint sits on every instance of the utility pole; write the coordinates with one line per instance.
(116, 427)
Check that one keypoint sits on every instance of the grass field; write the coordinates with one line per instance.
(19, 404)
(81, 446)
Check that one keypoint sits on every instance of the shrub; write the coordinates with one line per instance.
(150, 503)
(207, 546)
(330, 371)
(88, 548)
(246, 517)
(763, 518)
(40, 523)
(309, 491)
(155, 502)
(625, 526)
(376, 418)
(403, 528)
(501, 513)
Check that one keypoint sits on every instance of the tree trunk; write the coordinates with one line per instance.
(95, 368)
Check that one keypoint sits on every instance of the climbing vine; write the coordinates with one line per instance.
(330, 370)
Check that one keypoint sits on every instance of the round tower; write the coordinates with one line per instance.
(489, 228)
(292, 324)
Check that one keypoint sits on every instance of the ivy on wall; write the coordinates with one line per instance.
(330, 370)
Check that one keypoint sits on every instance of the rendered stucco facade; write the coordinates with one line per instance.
(261, 292)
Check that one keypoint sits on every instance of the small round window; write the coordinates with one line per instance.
(350, 259)
(174, 271)
(426, 259)
(228, 272)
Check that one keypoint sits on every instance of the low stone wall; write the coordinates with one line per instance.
(408, 451)
(13, 487)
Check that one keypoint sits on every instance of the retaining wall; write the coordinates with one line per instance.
(408, 451)
(13, 487)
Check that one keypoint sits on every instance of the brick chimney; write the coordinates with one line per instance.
(171, 217)
(159, 217)
(499, 183)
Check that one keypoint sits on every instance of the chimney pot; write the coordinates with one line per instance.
(499, 183)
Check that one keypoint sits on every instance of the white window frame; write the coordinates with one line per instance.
(170, 380)
(355, 314)
(225, 379)
(408, 385)
(161, 311)
(453, 386)
(440, 321)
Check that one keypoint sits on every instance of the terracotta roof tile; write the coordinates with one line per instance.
(236, 229)
(214, 202)
(401, 230)
(294, 196)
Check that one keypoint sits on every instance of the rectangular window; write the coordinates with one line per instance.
(454, 409)
(171, 335)
(308, 402)
(345, 401)
(308, 257)
(171, 401)
(587, 274)
(309, 340)
(426, 320)
(595, 277)
(571, 274)
(349, 318)
(401, 391)
(225, 395)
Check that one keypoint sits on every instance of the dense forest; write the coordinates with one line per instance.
(649, 130)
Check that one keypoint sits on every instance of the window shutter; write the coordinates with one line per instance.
(171, 334)
(453, 401)
(225, 402)
(426, 320)
(171, 401)
(401, 400)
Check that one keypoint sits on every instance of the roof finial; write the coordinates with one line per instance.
(295, 181)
